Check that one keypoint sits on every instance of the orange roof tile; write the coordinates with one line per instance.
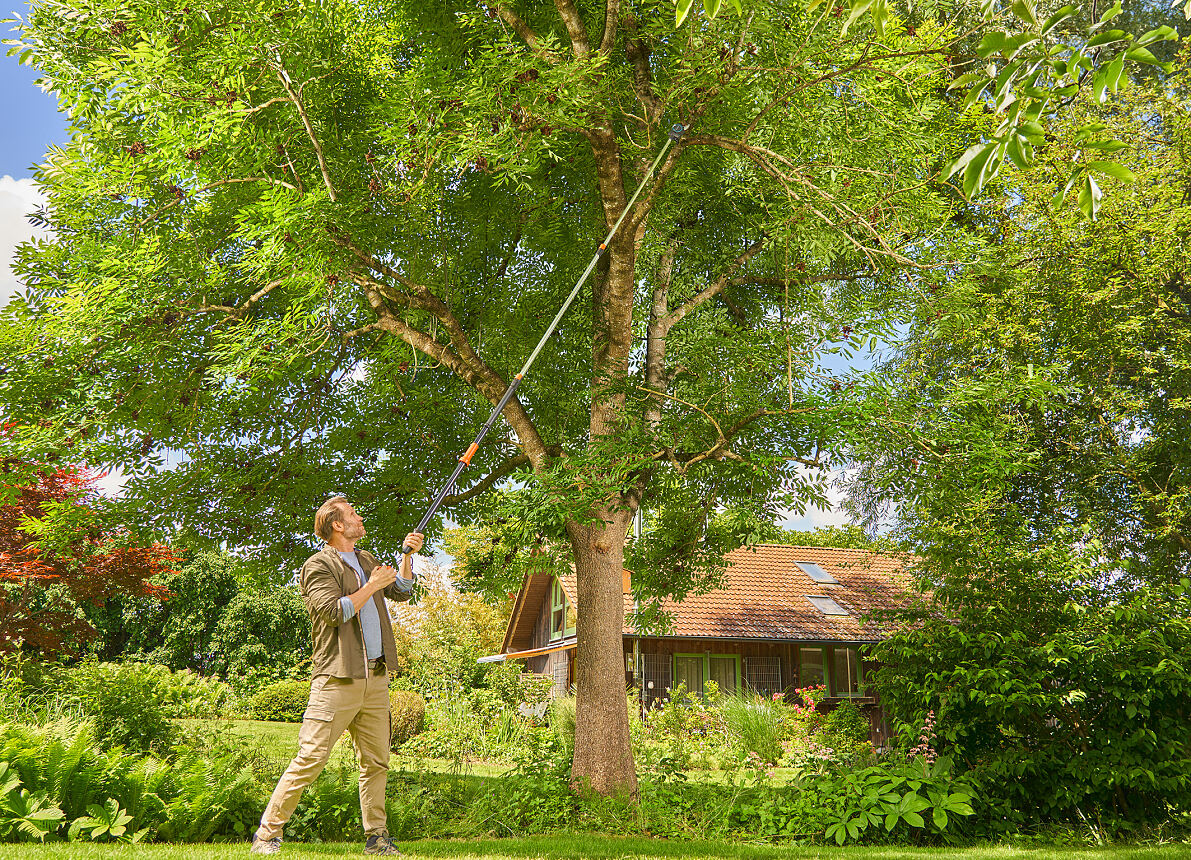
(764, 596)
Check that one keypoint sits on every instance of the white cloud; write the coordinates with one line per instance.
(18, 197)
(817, 517)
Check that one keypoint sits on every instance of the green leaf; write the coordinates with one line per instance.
(1025, 10)
(962, 162)
(891, 821)
(913, 819)
(858, 8)
(1165, 33)
(1111, 168)
(980, 168)
(681, 9)
(1058, 18)
(1019, 151)
(1111, 13)
(1061, 195)
(940, 818)
(992, 43)
(1143, 55)
(1106, 38)
(712, 8)
(1089, 197)
(737, 6)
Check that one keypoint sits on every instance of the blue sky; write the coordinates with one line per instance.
(31, 118)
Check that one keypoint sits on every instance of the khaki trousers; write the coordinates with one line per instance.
(359, 706)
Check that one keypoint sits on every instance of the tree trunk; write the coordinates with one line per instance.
(603, 760)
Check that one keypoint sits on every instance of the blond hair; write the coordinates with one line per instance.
(327, 515)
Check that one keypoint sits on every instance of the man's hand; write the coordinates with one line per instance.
(382, 576)
(413, 540)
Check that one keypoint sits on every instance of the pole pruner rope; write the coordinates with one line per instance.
(465, 459)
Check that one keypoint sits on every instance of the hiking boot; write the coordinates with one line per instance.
(378, 844)
(265, 846)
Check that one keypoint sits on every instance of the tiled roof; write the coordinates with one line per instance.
(764, 596)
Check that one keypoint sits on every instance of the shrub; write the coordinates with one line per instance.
(754, 726)
(283, 702)
(408, 715)
(562, 721)
(127, 703)
(845, 731)
(192, 798)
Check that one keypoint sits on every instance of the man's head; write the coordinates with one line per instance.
(338, 517)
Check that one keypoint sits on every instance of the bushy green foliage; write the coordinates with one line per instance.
(562, 722)
(755, 726)
(126, 701)
(407, 711)
(189, 798)
(263, 636)
(283, 702)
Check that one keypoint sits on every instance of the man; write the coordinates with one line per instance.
(353, 645)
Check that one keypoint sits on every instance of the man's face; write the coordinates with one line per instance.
(350, 524)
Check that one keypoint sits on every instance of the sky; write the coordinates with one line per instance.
(30, 124)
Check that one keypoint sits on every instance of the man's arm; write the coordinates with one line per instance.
(402, 585)
(322, 592)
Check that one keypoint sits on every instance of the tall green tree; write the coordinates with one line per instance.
(1036, 461)
(301, 248)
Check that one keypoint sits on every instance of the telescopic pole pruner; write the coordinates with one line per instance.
(465, 459)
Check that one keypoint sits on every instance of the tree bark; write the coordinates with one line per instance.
(603, 761)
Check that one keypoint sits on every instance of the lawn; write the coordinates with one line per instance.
(598, 847)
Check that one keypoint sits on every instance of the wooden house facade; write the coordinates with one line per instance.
(785, 617)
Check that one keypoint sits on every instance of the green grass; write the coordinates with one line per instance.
(596, 847)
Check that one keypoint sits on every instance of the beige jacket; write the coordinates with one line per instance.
(339, 645)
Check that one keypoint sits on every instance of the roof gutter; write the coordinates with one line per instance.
(532, 652)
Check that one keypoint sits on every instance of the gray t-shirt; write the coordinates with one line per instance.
(369, 617)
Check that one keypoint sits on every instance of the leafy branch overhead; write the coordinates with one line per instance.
(1024, 69)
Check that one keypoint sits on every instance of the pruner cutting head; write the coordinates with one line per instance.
(676, 131)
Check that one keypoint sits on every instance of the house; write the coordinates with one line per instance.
(785, 617)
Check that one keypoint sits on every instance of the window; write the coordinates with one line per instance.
(810, 667)
(562, 616)
(817, 573)
(695, 670)
(846, 672)
(827, 606)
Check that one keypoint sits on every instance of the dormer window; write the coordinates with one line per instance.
(816, 573)
(562, 616)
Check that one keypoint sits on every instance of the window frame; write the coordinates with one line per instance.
(859, 694)
(558, 601)
(824, 653)
(706, 657)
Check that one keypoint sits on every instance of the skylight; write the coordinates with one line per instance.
(817, 573)
(827, 606)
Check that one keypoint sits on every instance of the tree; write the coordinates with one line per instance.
(309, 246)
(1048, 396)
(59, 556)
(1036, 462)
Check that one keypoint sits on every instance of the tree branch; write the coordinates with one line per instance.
(283, 76)
(575, 27)
(505, 469)
(717, 286)
(611, 16)
(637, 53)
(523, 30)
